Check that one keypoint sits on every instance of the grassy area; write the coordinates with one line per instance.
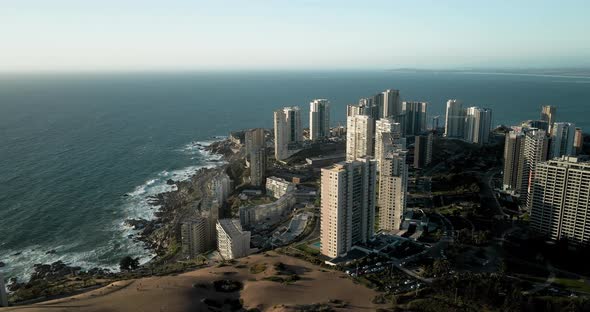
(450, 209)
(307, 249)
(573, 284)
(258, 268)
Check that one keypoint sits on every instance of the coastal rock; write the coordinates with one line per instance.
(53, 271)
(2, 264)
(170, 182)
(51, 252)
(137, 224)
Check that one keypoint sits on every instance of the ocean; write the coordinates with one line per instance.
(79, 153)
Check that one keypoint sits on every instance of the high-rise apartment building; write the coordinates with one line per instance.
(366, 106)
(319, 119)
(513, 157)
(415, 117)
(560, 199)
(389, 104)
(288, 132)
(359, 137)
(256, 155)
(382, 126)
(255, 139)
(347, 205)
(393, 186)
(423, 150)
(536, 145)
(548, 115)
(478, 125)
(524, 148)
(232, 241)
(454, 119)
(562, 139)
(195, 237)
(578, 141)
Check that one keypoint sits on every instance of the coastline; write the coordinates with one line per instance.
(158, 235)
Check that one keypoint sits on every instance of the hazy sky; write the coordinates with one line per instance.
(291, 34)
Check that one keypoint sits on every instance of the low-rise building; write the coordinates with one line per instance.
(277, 187)
(267, 213)
(232, 241)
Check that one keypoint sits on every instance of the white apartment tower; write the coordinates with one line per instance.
(390, 104)
(560, 199)
(347, 205)
(319, 119)
(478, 125)
(536, 144)
(288, 131)
(256, 155)
(393, 186)
(562, 139)
(454, 119)
(232, 241)
(382, 126)
(359, 137)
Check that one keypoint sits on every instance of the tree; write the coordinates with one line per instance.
(128, 263)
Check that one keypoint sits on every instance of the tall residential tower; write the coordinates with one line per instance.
(319, 119)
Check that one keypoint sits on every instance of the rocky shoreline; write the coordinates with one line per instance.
(161, 235)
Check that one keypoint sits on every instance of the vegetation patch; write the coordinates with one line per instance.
(258, 268)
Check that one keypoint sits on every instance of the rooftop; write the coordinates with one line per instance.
(231, 226)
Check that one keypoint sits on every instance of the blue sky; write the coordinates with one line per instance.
(291, 34)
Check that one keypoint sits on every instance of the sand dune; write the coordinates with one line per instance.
(186, 292)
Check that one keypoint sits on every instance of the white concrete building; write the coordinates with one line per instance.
(319, 119)
(287, 132)
(232, 241)
(560, 199)
(221, 187)
(359, 137)
(390, 105)
(478, 125)
(267, 214)
(347, 205)
(454, 119)
(393, 188)
(382, 126)
(277, 187)
(562, 139)
(536, 144)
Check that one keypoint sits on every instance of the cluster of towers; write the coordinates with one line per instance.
(540, 166)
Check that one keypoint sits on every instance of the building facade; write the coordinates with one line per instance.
(195, 237)
(347, 205)
(393, 187)
(415, 117)
(359, 137)
(382, 126)
(277, 187)
(562, 139)
(478, 125)
(513, 153)
(390, 104)
(256, 155)
(319, 119)
(423, 150)
(560, 199)
(267, 214)
(548, 115)
(232, 241)
(454, 119)
(287, 131)
(578, 141)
